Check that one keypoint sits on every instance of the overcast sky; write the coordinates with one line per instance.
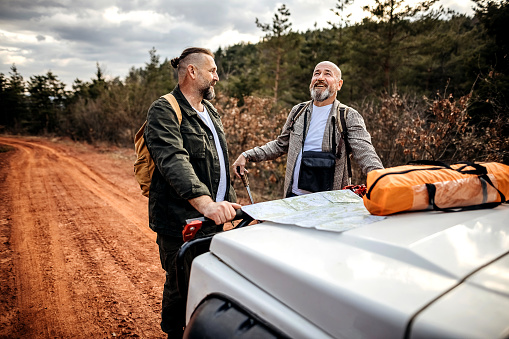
(68, 37)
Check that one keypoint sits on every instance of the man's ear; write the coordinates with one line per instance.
(191, 70)
(340, 84)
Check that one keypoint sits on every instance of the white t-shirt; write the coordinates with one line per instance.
(221, 190)
(313, 141)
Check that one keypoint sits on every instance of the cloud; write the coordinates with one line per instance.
(69, 37)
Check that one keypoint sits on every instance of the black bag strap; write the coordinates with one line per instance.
(344, 135)
(333, 123)
(429, 163)
(305, 131)
(478, 168)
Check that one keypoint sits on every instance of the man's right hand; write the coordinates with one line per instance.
(239, 166)
(220, 212)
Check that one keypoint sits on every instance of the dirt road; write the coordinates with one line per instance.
(77, 259)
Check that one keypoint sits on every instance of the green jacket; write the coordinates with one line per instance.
(187, 164)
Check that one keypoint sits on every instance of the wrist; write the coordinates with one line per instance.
(244, 154)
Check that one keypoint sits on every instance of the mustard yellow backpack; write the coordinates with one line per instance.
(144, 164)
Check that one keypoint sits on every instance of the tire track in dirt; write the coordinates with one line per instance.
(83, 260)
(105, 189)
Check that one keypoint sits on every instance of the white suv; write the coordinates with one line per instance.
(412, 275)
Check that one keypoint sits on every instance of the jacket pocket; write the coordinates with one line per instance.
(295, 137)
(194, 142)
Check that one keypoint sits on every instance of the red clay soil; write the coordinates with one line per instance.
(77, 259)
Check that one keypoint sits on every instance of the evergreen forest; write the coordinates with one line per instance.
(430, 84)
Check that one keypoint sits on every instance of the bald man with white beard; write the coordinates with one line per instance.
(312, 131)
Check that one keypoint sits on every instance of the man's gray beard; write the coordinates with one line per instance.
(209, 93)
(318, 95)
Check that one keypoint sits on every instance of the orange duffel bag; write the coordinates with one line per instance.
(432, 185)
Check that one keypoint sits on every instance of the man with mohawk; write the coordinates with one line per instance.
(191, 178)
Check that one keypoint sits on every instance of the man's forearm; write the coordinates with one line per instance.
(200, 203)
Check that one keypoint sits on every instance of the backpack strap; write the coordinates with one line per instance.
(174, 104)
(344, 134)
(302, 108)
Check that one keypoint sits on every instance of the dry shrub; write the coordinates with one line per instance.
(495, 144)
(405, 129)
(254, 124)
(443, 133)
(386, 122)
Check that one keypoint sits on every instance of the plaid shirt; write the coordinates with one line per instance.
(290, 142)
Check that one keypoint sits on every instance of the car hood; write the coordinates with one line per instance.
(368, 281)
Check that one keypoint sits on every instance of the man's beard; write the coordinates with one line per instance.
(209, 93)
(319, 94)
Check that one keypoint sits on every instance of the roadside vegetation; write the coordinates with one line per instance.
(430, 85)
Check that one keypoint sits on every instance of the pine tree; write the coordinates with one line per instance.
(275, 43)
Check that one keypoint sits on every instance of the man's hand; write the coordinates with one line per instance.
(220, 212)
(239, 166)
